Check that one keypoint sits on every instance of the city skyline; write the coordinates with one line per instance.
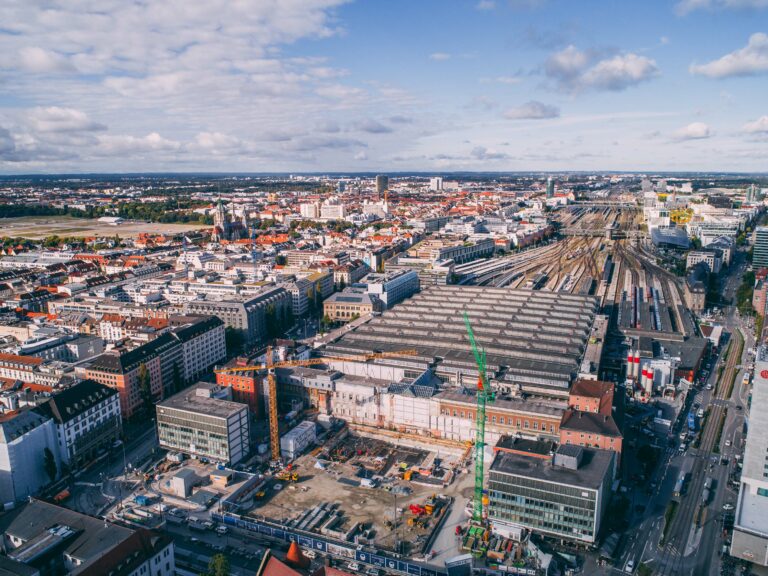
(329, 85)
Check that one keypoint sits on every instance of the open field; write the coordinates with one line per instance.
(38, 227)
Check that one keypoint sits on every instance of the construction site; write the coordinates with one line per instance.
(366, 491)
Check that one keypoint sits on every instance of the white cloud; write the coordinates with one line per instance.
(619, 72)
(508, 79)
(111, 145)
(759, 126)
(372, 126)
(687, 6)
(483, 153)
(216, 142)
(57, 119)
(747, 61)
(532, 110)
(485, 5)
(41, 61)
(693, 131)
(439, 56)
(574, 69)
(361, 155)
(566, 64)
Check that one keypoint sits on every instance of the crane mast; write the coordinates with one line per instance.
(484, 394)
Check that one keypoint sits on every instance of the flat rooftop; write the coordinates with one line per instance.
(595, 465)
(752, 510)
(189, 401)
(531, 338)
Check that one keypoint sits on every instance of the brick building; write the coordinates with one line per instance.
(121, 371)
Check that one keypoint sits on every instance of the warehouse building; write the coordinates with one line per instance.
(535, 341)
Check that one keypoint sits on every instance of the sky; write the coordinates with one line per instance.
(371, 85)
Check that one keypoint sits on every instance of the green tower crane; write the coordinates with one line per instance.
(484, 395)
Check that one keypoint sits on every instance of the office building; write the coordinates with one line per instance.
(382, 185)
(711, 258)
(454, 248)
(760, 250)
(55, 540)
(249, 315)
(550, 188)
(199, 424)
(436, 184)
(24, 436)
(351, 303)
(333, 210)
(391, 288)
(563, 495)
(309, 210)
(87, 419)
(750, 523)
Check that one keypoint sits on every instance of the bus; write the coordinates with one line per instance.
(682, 479)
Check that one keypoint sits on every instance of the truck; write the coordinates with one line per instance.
(198, 525)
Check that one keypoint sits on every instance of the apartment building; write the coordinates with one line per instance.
(203, 345)
(87, 418)
(199, 424)
(53, 540)
(24, 436)
(349, 273)
(121, 372)
(247, 315)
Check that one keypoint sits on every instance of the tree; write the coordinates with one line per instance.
(145, 388)
(218, 566)
(49, 464)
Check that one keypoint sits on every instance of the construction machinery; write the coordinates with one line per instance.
(484, 395)
(287, 476)
(270, 365)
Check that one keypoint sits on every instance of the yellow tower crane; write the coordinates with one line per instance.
(270, 365)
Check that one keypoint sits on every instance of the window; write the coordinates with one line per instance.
(762, 491)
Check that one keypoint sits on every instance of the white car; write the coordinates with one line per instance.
(728, 507)
(727, 443)
(630, 567)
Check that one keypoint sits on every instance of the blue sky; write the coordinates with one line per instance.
(316, 85)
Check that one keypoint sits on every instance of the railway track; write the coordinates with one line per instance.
(672, 559)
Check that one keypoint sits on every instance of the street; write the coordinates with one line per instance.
(690, 547)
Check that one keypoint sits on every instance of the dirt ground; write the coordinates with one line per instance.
(37, 227)
(374, 508)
